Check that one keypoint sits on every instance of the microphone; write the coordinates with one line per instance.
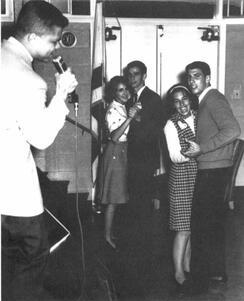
(61, 67)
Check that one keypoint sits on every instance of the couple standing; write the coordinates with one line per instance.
(204, 153)
(129, 175)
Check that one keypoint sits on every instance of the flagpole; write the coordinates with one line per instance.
(97, 103)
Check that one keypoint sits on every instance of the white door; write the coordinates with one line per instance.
(135, 41)
(179, 45)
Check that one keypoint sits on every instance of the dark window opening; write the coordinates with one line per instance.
(78, 7)
(81, 7)
(234, 11)
(156, 9)
(3, 7)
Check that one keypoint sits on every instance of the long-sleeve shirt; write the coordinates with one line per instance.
(25, 121)
(173, 141)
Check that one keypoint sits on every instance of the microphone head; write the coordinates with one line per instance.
(59, 64)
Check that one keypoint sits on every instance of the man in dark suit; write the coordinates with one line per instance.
(143, 139)
(143, 156)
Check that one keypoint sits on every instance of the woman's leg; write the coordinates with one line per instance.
(187, 257)
(109, 216)
(179, 248)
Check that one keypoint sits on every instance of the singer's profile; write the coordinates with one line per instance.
(27, 122)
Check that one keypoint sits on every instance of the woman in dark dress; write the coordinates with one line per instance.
(113, 176)
(179, 128)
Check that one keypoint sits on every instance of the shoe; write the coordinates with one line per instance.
(111, 247)
(183, 289)
(114, 237)
(188, 275)
(217, 287)
(219, 279)
(217, 284)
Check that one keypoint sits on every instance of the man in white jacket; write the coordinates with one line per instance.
(25, 121)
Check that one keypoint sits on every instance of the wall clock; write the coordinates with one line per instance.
(68, 39)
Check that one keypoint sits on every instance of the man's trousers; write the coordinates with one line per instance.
(208, 225)
(24, 256)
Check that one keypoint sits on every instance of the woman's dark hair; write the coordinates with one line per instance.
(112, 87)
(39, 17)
(179, 88)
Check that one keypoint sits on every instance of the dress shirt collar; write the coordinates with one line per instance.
(140, 91)
(200, 98)
(20, 48)
(118, 104)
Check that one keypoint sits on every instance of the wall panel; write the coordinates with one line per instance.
(234, 80)
(59, 159)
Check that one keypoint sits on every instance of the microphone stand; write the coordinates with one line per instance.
(74, 99)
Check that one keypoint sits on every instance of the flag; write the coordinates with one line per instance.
(97, 88)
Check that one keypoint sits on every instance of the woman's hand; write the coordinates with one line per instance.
(193, 150)
(133, 111)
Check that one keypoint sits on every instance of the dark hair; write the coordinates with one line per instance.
(112, 86)
(39, 17)
(204, 67)
(137, 64)
(178, 88)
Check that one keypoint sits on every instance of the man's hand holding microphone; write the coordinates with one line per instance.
(65, 80)
(65, 83)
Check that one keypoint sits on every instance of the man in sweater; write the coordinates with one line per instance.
(27, 121)
(217, 128)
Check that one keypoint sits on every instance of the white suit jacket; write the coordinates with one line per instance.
(25, 121)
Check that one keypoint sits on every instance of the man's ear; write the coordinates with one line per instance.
(31, 37)
(144, 77)
(208, 79)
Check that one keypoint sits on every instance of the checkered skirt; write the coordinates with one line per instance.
(181, 182)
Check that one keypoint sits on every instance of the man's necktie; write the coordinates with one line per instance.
(195, 103)
(135, 96)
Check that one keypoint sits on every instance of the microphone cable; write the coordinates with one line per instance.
(61, 67)
(82, 279)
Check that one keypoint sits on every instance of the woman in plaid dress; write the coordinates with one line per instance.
(179, 128)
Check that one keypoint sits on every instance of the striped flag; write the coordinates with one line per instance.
(97, 102)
